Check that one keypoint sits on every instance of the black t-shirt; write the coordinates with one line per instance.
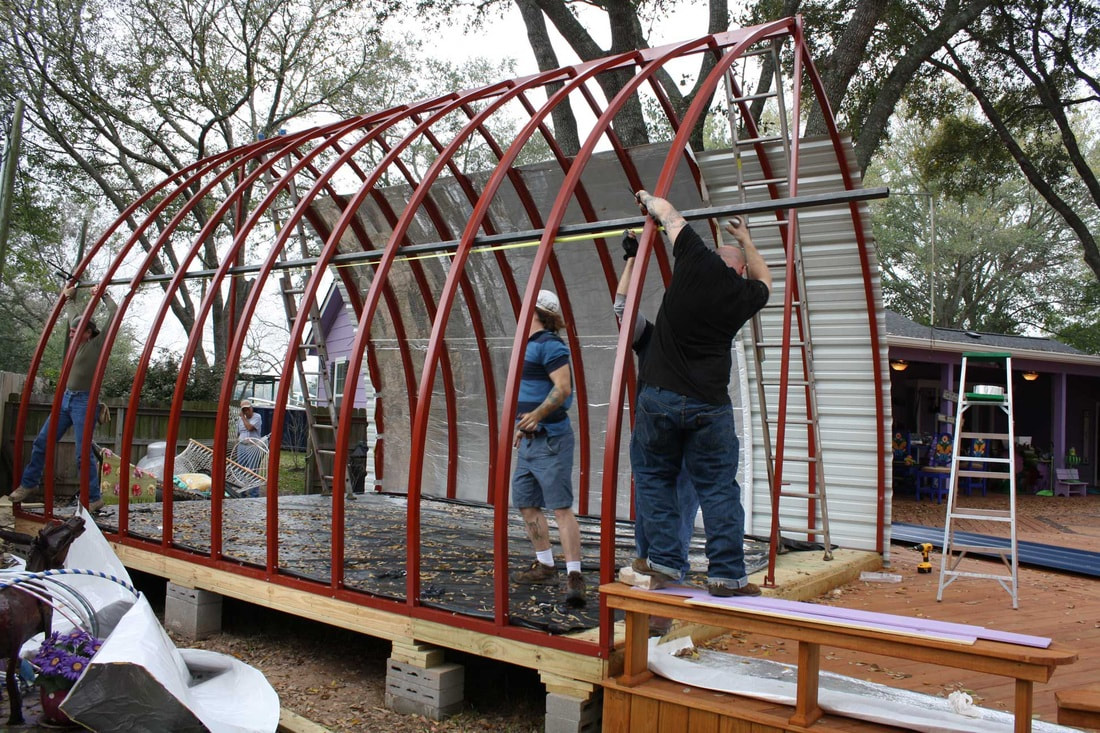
(704, 307)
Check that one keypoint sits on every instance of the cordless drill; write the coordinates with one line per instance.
(925, 549)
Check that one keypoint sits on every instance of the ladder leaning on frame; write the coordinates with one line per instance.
(787, 390)
(997, 396)
(321, 451)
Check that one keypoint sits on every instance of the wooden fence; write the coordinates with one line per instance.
(196, 421)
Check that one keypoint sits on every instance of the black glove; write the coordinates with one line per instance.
(630, 245)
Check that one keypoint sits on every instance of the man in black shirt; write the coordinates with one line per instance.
(684, 416)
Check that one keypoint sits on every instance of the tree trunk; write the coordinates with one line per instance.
(565, 124)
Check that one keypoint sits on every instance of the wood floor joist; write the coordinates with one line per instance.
(370, 621)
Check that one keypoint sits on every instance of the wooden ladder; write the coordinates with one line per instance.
(322, 452)
(996, 395)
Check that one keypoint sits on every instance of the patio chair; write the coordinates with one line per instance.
(240, 480)
(1069, 483)
(968, 483)
(905, 465)
(935, 477)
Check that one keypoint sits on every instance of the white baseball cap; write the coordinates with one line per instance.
(548, 302)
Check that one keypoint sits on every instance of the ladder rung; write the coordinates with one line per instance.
(756, 140)
(323, 426)
(800, 459)
(790, 382)
(325, 451)
(980, 548)
(760, 182)
(985, 436)
(780, 306)
(803, 530)
(983, 474)
(751, 97)
(801, 494)
(294, 291)
(776, 344)
(987, 576)
(991, 515)
(792, 421)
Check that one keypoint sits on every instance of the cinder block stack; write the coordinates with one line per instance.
(419, 683)
(193, 613)
(566, 714)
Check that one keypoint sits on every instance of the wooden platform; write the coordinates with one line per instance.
(456, 560)
(1022, 663)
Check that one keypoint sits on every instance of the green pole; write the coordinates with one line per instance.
(7, 184)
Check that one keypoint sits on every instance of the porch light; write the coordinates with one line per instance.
(900, 365)
(1030, 376)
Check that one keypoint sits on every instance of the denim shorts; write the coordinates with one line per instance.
(544, 472)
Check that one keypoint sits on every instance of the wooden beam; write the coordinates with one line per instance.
(365, 620)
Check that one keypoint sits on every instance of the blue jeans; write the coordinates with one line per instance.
(689, 507)
(673, 431)
(74, 413)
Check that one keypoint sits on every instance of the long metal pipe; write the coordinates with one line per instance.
(588, 230)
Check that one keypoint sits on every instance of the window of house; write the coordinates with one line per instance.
(339, 377)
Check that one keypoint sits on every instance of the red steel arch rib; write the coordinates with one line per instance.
(368, 236)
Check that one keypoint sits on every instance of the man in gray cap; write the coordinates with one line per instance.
(75, 407)
(544, 467)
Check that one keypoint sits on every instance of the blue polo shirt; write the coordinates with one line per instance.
(545, 353)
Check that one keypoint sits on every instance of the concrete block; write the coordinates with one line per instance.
(191, 612)
(564, 706)
(440, 698)
(405, 706)
(554, 724)
(440, 677)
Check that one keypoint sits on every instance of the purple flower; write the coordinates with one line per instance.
(62, 658)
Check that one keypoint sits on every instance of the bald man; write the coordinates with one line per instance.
(684, 416)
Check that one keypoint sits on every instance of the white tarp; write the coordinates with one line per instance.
(139, 681)
(766, 680)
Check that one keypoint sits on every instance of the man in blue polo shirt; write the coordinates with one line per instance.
(544, 466)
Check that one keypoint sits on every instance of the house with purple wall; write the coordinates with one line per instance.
(1055, 388)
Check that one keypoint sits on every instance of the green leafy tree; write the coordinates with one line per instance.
(1001, 259)
(122, 94)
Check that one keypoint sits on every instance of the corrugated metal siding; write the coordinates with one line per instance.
(840, 329)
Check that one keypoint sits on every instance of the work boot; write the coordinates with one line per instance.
(725, 591)
(657, 579)
(537, 574)
(574, 590)
(95, 506)
(25, 493)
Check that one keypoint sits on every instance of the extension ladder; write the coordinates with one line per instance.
(786, 390)
(322, 452)
(974, 396)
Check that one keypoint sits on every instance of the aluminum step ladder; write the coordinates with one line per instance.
(977, 391)
(322, 435)
(785, 385)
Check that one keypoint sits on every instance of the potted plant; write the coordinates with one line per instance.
(60, 661)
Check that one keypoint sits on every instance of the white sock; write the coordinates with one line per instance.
(546, 557)
(572, 566)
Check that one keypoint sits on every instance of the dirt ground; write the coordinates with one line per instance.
(337, 678)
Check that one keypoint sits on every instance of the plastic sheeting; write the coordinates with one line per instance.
(775, 682)
(139, 681)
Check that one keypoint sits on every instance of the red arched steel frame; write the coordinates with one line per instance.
(236, 176)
